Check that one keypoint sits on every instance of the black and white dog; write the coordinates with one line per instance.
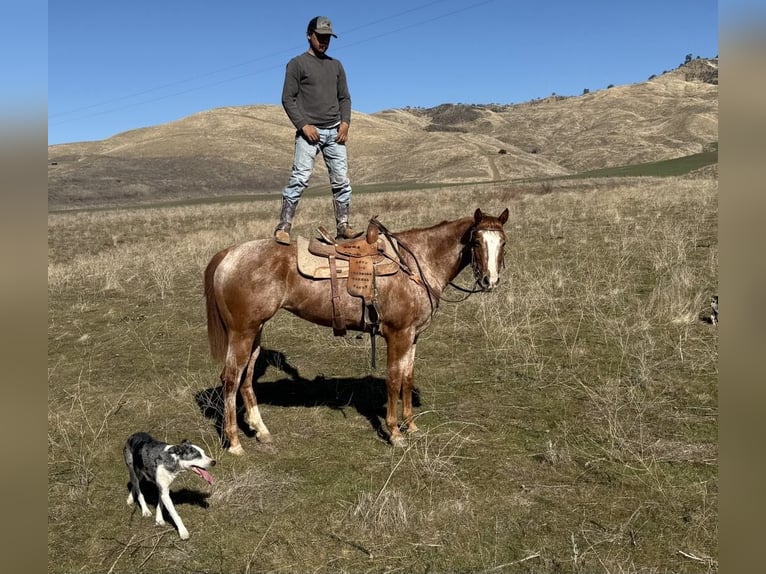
(160, 463)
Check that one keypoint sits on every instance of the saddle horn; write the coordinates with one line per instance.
(373, 231)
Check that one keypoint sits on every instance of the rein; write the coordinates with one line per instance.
(420, 278)
(468, 292)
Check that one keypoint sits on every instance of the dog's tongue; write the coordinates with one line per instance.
(203, 474)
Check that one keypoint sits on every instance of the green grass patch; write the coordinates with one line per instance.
(666, 168)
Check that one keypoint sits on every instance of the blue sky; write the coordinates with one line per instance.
(116, 66)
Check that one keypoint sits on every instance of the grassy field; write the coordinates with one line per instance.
(669, 167)
(570, 417)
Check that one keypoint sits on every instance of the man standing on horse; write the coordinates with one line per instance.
(317, 101)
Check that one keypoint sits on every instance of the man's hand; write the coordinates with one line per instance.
(342, 133)
(310, 133)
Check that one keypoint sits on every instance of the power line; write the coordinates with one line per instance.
(172, 84)
(256, 72)
(416, 24)
(165, 97)
(221, 70)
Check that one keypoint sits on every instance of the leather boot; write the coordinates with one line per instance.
(282, 232)
(345, 231)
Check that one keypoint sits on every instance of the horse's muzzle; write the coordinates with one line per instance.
(486, 283)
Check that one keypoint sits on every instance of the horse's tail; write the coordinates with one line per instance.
(216, 329)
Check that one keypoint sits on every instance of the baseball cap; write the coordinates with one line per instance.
(320, 25)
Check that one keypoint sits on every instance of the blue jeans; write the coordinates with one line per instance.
(335, 159)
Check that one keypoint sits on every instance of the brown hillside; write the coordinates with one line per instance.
(666, 117)
(248, 149)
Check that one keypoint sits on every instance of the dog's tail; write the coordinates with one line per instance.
(216, 329)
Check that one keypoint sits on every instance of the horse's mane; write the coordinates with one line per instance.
(462, 222)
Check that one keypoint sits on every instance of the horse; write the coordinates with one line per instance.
(247, 283)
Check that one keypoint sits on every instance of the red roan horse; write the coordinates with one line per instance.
(246, 284)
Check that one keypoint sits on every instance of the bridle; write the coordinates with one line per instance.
(420, 276)
(477, 272)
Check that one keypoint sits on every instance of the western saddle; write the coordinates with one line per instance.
(359, 260)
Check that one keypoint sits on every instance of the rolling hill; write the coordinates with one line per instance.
(248, 149)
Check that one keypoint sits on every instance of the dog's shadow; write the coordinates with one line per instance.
(181, 496)
(366, 395)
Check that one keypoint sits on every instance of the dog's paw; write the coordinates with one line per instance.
(158, 521)
(146, 512)
(184, 534)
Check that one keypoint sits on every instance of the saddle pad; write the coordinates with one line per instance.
(318, 267)
(315, 266)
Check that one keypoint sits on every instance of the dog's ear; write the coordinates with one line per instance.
(178, 448)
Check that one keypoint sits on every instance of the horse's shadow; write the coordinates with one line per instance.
(366, 395)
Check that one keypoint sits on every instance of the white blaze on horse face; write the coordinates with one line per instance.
(493, 244)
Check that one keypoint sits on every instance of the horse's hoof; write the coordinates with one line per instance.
(398, 441)
(264, 437)
(237, 450)
(413, 430)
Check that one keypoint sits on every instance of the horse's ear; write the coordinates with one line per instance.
(504, 216)
(477, 216)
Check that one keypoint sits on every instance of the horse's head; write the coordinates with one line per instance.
(487, 242)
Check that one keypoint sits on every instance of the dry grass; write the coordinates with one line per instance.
(569, 418)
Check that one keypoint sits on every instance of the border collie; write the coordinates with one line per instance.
(160, 463)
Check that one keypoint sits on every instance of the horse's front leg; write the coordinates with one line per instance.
(398, 362)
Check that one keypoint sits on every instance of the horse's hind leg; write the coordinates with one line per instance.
(237, 357)
(252, 414)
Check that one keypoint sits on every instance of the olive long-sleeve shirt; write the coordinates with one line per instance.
(315, 92)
